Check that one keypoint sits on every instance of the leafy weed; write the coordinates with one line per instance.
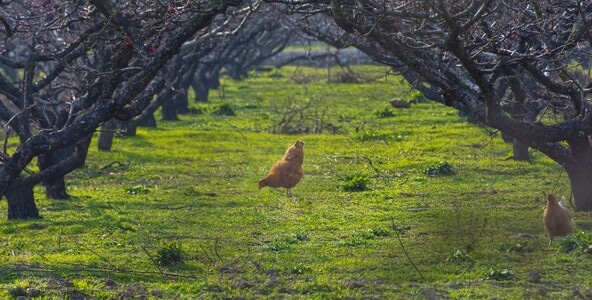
(356, 182)
(170, 254)
(441, 168)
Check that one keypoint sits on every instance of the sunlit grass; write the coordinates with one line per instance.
(194, 183)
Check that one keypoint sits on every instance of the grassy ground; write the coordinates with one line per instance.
(187, 191)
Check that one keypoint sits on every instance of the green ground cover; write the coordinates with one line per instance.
(437, 210)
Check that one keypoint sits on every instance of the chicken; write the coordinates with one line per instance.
(288, 171)
(557, 219)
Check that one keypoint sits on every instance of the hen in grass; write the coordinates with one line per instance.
(288, 171)
(556, 217)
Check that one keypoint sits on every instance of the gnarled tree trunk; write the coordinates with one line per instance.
(106, 136)
(580, 177)
(55, 188)
(202, 91)
(169, 108)
(520, 151)
(181, 101)
(65, 160)
(21, 201)
(578, 166)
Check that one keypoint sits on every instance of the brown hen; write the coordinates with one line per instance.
(557, 220)
(288, 171)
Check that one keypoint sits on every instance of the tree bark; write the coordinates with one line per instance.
(169, 109)
(130, 128)
(520, 150)
(55, 188)
(518, 110)
(148, 121)
(106, 136)
(181, 101)
(69, 158)
(580, 177)
(201, 91)
(145, 119)
(213, 81)
(21, 201)
(204, 81)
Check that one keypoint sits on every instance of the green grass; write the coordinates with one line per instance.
(188, 190)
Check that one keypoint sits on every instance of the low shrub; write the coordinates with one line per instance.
(418, 97)
(170, 254)
(499, 275)
(385, 113)
(356, 182)
(224, 110)
(459, 256)
(579, 242)
(441, 168)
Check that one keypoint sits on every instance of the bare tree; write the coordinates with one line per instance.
(325, 29)
(263, 36)
(518, 66)
(237, 43)
(82, 64)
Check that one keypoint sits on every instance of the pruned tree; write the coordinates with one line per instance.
(519, 66)
(237, 42)
(80, 64)
(262, 36)
(324, 29)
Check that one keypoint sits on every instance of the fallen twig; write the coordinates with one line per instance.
(396, 230)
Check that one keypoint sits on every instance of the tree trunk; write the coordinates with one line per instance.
(518, 110)
(145, 119)
(213, 81)
(580, 177)
(55, 185)
(169, 109)
(181, 102)
(129, 128)
(106, 136)
(55, 188)
(201, 91)
(148, 121)
(204, 81)
(520, 150)
(21, 201)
